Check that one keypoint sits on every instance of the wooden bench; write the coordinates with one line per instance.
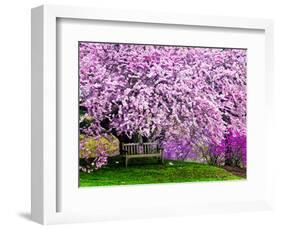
(137, 150)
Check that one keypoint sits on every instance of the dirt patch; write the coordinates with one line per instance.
(242, 172)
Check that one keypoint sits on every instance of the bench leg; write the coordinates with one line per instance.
(126, 162)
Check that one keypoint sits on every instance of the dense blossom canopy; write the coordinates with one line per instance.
(163, 92)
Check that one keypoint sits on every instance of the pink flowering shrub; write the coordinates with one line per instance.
(214, 154)
(89, 163)
(231, 151)
(236, 153)
(175, 95)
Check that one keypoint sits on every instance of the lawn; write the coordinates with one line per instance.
(149, 171)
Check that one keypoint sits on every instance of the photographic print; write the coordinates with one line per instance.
(161, 114)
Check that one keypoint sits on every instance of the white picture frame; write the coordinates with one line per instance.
(46, 164)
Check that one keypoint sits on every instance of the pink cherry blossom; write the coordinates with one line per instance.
(163, 92)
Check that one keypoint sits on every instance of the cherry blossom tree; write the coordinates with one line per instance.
(162, 93)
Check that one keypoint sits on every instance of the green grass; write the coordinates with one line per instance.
(150, 171)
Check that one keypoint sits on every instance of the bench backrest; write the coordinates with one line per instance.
(137, 148)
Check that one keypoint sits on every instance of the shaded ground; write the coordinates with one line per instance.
(149, 171)
(236, 171)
